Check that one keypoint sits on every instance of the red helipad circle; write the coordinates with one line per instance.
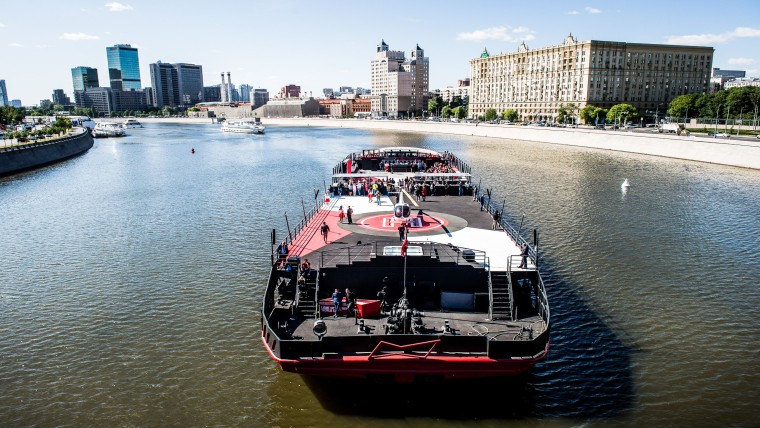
(389, 223)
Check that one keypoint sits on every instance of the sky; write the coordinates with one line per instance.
(328, 44)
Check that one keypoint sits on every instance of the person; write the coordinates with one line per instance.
(349, 213)
(305, 267)
(382, 294)
(482, 202)
(402, 231)
(524, 252)
(325, 229)
(341, 214)
(496, 217)
(475, 193)
(336, 297)
(351, 302)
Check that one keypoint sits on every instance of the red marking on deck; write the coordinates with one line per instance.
(310, 239)
(389, 223)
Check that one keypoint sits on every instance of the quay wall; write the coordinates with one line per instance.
(733, 152)
(29, 156)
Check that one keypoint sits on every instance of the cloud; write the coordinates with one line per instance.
(78, 36)
(573, 12)
(504, 33)
(15, 45)
(2, 25)
(707, 39)
(592, 10)
(118, 7)
(741, 61)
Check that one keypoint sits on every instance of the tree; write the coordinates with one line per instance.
(683, 105)
(562, 113)
(588, 113)
(434, 105)
(459, 112)
(491, 114)
(456, 101)
(511, 115)
(622, 112)
(446, 111)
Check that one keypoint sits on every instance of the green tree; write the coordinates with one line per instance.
(435, 104)
(511, 115)
(683, 106)
(446, 112)
(562, 113)
(588, 113)
(622, 113)
(491, 114)
(456, 101)
(459, 112)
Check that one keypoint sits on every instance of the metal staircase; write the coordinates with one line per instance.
(306, 300)
(501, 300)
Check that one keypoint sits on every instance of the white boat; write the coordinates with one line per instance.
(625, 184)
(243, 127)
(108, 129)
(132, 123)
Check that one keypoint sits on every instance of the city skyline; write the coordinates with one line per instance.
(318, 46)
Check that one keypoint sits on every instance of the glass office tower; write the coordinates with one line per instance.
(84, 77)
(123, 67)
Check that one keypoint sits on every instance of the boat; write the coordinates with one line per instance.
(243, 127)
(132, 123)
(441, 288)
(108, 129)
(625, 184)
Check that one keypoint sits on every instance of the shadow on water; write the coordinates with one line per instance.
(587, 375)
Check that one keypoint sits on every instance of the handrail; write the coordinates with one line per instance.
(490, 296)
(343, 253)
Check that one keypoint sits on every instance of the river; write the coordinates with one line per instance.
(133, 275)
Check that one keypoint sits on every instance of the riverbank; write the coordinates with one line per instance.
(740, 153)
(23, 157)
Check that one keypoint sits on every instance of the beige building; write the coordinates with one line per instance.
(399, 85)
(461, 90)
(537, 82)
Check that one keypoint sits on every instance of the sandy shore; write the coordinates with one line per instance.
(741, 153)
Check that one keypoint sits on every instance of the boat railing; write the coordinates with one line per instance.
(292, 233)
(368, 251)
(39, 143)
(506, 226)
(490, 298)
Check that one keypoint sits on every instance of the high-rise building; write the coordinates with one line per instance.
(259, 97)
(399, 85)
(60, 97)
(735, 74)
(123, 67)
(84, 77)
(538, 82)
(46, 104)
(16, 103)
(3, 94)
(212, 93)
(290, 91)
(100, 99)
(176, 85)
(245, 93)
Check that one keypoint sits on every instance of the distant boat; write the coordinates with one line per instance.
(625, 184)
(243, 127)
(132, 123)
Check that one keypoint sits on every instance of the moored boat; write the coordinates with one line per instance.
(108, 129)
(423, 279)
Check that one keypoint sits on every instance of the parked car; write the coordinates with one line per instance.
(720, 135)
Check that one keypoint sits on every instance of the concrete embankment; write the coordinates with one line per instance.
(29, 156)
(732, 152)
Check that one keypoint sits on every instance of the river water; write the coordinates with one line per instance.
(133, 275)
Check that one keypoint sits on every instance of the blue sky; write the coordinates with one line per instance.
(318, 44)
